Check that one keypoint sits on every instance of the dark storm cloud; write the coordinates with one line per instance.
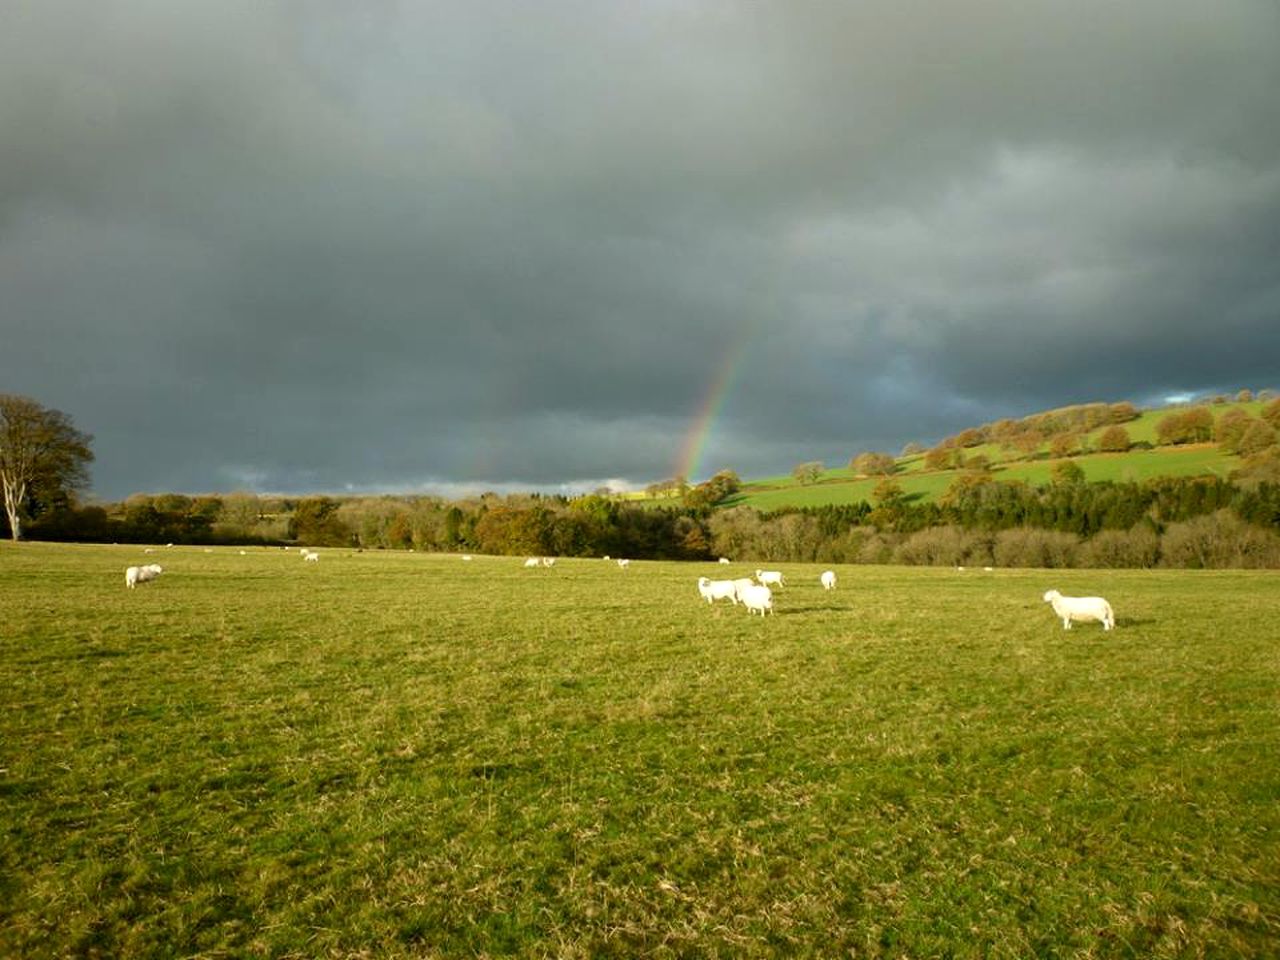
(331, 246)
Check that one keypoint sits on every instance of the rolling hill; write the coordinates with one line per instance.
(1143, 461)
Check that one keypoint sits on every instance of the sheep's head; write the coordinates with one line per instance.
(1051, 595)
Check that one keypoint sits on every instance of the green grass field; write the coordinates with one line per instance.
(409, 755)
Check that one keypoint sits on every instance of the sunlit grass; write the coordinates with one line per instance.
(403, 755)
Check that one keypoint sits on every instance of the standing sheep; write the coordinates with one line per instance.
(1083, 609)
(767, 577)
(757, 598)
(136, 575)
(828, 579)
(713, 590)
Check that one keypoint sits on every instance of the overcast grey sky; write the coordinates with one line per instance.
(296, 246)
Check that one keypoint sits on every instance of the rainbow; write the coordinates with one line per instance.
(689, 460)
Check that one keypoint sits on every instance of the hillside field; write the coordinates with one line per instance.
(839, 485)
(398, 754)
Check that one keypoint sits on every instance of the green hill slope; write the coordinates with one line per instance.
(1145, 460)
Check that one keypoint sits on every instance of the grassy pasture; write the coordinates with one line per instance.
(408, 755)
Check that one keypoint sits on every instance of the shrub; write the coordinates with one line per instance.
(940, 546)
(1028, 547)
(1137, 547)
(1217, 541)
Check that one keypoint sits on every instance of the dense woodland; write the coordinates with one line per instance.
(981, 520)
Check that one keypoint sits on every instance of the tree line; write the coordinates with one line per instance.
(1201, 521)
(1196, 521)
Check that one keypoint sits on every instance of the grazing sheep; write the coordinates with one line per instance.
(713, 590)
(136, 575)
(725, 561)
(532, 562)
(623, 564)
(767, 577)
(741, 584)
(310, 555)
(466, 556)
(548, 561)
(987, 569)
(757, 598)
(828, 579)
(606, 556)
(1084, 609)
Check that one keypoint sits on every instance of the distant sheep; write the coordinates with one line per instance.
(532, 562)
(725, 561)
(548, 561)
(757, 598)
(713, 590)
(1083, 609)
(828, 579)
(310, 555)
(623, 564)
(767, 577)
(136, 575)
(466, 556)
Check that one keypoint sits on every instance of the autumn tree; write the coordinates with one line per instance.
(873, 464)
(1114, 439)
(807, 472)
(1257, 438)
(1123, 412)
(1066, 473)
(41, 455)
(1230, 427)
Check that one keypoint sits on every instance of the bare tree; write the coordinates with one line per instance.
(39, 449)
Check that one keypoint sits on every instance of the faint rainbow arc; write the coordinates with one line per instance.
(689, 460)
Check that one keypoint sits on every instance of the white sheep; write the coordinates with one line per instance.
(532, 562)
(713, 590)
(310, 556)
(724, 560)
(767, 577)
(757, 598)
(1084, 609)
(623, 564)
(466, 556)
(548, 561)
(739, 585)
(828, 579)
(136, 575)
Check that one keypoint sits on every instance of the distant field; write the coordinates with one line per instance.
(404, 755)
(1184, 461)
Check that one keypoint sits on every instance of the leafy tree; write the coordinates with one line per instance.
(1230, 428)
(939, 458)
(1114, 439)
(1259, 437)
(1190, 426)
(874, 464)
(1066, 472)
(807, 472)
(41, 455)
(1271, 412)
(1064, 444)
(1123, 412)
(1244, 396)
(316, 522)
